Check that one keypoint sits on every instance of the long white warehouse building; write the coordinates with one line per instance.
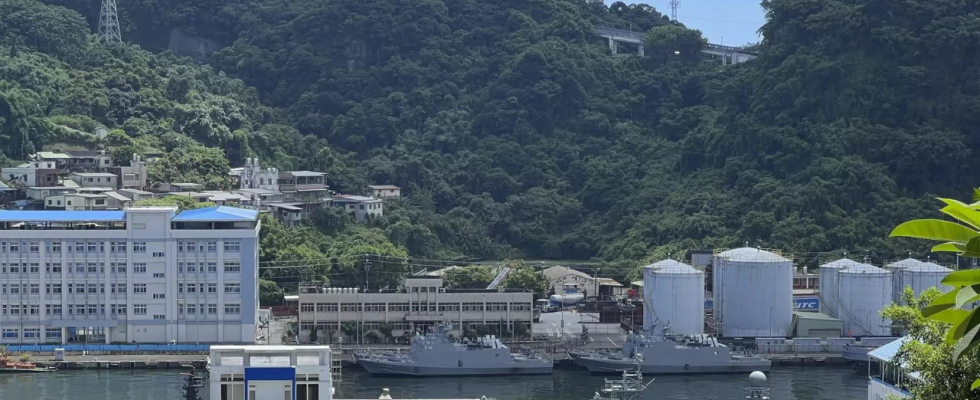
(142, 275)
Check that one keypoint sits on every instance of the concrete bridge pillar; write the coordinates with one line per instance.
(612, 45)
(640, 50)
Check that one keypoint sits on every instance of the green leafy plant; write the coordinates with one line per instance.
(963, 239)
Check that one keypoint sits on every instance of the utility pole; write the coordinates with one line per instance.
(367, 272)
(673, 9)
(109, 23)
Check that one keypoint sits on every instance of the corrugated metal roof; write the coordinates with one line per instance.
(350, 197)
(117, 196)
(383, 187)
(94, 174)
(52, 155)
(888, 351)
(218, 213)
(61, 216)
(305, 173)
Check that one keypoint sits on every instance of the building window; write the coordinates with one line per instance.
(212, 247)
(212, 309)
(139, 247)
(9, 333)
(159, 296)
(233, 288)
(56, 247)
(191, 288)
(158, 316)
(158, 254)
(159, 275)
(32, 333)
(139, 309)
(306, 308)
(34, 247)
(233, 246)
(139, 288)
(233, 267)
(212, 267)
(139, 268)
(191, 267)
(53, 333)
(233, 308)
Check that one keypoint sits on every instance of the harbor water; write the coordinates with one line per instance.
(788, 383)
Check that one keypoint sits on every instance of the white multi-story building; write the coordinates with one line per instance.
(141, 275)
(422, 304)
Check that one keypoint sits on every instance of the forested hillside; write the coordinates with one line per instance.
(514, 131)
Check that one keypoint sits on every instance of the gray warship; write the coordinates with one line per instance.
(673, 354)
(434, 354)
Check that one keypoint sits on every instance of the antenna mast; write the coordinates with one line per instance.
(109, 23)
(673, 9)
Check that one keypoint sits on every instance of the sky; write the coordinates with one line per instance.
(729, 22)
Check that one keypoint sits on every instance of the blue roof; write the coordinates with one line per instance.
(62, 216)
(217, 213)
(888, 352)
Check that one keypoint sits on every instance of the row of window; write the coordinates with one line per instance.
(368, 326)
(96, 268)
(414, 307)
(115, 309)
(191, 268)
(114, 247)
(210, 309)
(14, 333)
(211, 288)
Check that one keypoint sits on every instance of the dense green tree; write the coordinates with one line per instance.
(270, 294)
(523, 276)
(205, 165)
(513, 131)
(943, 375)
(181, 202)
(471, 277)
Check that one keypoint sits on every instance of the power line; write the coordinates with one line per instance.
(725, 20)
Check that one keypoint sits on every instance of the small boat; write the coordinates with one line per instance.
(7, 367)
(627, 388)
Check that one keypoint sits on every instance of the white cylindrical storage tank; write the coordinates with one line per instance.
(753, 292)
(897, 285)
(923, 276)
(864, 290)
(828, 285)
(674, 295)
